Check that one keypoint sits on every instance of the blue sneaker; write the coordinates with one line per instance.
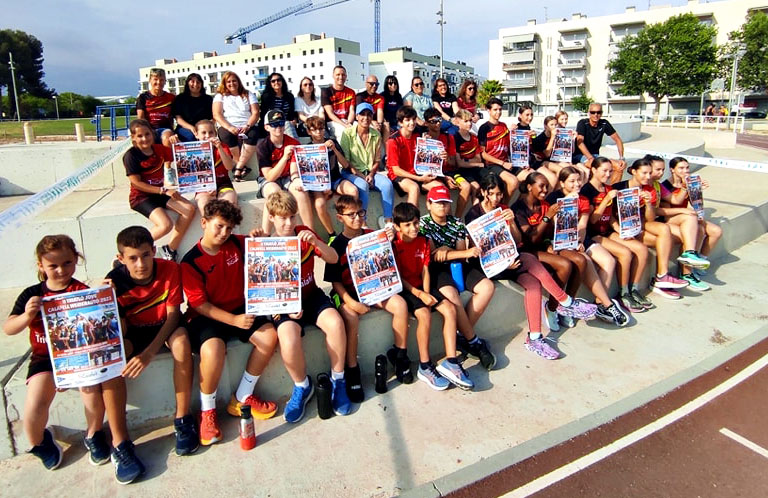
(48, 451)
(455, 374)
(98, 448)
(127, 467)
(294, 409)
(187, 439)
(339, 399)
(433, 379)
(694, 282)
(693, 259)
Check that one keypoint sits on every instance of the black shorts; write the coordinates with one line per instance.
(314, 303)
(469, 174)
(498, 170)
(414, 303)
(440, 274)
(201, 328)
(231, 140)
(150, 203)
(39, 364)
(140, 338)
(398, 188)
(224, 183)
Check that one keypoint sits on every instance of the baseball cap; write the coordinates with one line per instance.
(439, 194)
(273, 115)
(363, 106)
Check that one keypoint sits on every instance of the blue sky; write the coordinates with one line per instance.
(96, 47)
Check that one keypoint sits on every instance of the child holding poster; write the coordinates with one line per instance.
(57, 258)
(349, 211)
(222, 162)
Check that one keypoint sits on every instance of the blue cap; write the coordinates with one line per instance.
(363, 106)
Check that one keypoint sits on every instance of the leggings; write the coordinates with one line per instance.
(380, 183)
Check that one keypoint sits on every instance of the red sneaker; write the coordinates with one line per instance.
(260, 409)
(209, 428)
(669, 282)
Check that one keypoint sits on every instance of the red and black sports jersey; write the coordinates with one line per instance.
(158, 108)
(666, 184)
(149, 168)
(467, 149)
(339, 100)
(339, 272)
(411, 258)
(269, 155)
(145, 305)
(583, 202)
(308, 253)
(595, 197)
(526, 216)
(36, 327)
(494, 138)
(218, 278)
(648, 188)
(400, 152)
(376, 101)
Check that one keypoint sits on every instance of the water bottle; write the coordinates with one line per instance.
(324, 389)
(247, 429)
(457, 273)
(380, 373)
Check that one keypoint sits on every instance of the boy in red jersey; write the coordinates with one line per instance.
(494, 140)
(148, 296)
(317, 309)
(213, 276)
(154, 106)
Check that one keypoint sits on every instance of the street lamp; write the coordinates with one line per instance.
(56, 101)
(441, 14)
(736, 56)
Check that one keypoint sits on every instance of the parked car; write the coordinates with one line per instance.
(751, 114)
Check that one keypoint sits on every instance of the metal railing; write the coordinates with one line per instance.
(687, 121)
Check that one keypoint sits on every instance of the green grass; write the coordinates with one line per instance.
(14, 129)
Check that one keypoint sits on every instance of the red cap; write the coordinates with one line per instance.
(439, 194)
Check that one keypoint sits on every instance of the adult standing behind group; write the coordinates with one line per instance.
(339, 103)
(392, 100)
(376, 101)
(190, 106)
(276, 96)
(307, 105)
(236, 111)
(467, 100)
(154, 106)
(445, 102)
(420, 102)
(589, 138)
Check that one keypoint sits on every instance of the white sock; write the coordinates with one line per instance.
(207, 401)
(534, 335)
(337, 375)
(660, 275)
(245, 389)
(303, 384)
(567, 302)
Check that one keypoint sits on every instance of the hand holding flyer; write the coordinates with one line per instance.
(428, 160)
(567, 224)
(562, 151)
(695, 196)
(272, 276)
(491, 234)
(519, 149)
(314, 167)
(372, 266)
(192, 168)
(628, 207)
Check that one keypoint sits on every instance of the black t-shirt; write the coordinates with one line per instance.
(391, 104)
(192, 109)
(593, 136)
(284, 104)
(539, 143)
(445, 103)
(525, 216)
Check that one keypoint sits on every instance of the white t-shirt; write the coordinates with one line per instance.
(236, 109)
(308, 110)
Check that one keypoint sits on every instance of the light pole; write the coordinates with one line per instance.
(441, 22)
(736, 56)
(13, 78)
(56, 101)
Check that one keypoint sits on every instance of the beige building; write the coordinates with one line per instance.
(404, 63)
(548, 64)
(308, 55)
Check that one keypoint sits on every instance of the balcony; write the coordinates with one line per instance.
(519, 47)
(515, 83)
(572, 45)
(519, 66)
(568, 81)
(572, 63)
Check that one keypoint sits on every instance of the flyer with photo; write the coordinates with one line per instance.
(567, 224)
(372, 266)
(272, 275)
(428, 160)
(84, 337)
(193, 167)
(628, 206)
(491, 234)
(519, 148)
(562, 152)
(314, 167)
(695, 196)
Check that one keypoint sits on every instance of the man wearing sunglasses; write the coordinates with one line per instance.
(370, 96)
(589, 138)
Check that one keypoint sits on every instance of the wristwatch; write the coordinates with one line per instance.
(546, 219)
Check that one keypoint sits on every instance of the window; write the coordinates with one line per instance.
(290, 80)
(288, 55)
(281, 56)
(259, 59)
(339, 49)
(340, 64)
(321, 76)
(226, 63)
(251, 60)
(303, 52)
(394, 73)
(305, 65)
(321, 63)
(320, 51)
(246, 72)
(312, 52)
(215, 65)
(281, 68)
(273, 56)
(313, 64)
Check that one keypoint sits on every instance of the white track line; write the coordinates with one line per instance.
(744, 441)
(582, 463)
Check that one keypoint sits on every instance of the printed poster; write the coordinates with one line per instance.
(562, 152)
(192, 169)
(628, 205)
(314, 167)
(695, 196)
(491, 234)
(272, 275)
(519, 148)
(567, 224)
(428, 160)
(372, 266)
(84, 337)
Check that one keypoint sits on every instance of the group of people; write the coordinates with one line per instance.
(433, 253)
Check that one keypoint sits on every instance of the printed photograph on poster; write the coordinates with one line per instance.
(562, 152)
(519, 148)
(372, 266)
(314, 167)
(628, 207)
(193, 167)
(272, 275)
(491, 234)
(84, 337)
(695, 195)
(567, 224)
(428, 160)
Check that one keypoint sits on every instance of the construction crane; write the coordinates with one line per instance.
(242, 33)
(376, 17)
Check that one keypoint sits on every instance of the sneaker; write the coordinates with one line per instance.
(294, 409)
(629, 303)
(261, 410)
(579, 308)
(611, 314)
(48, 451)
(541, 348)
(402, 366)
(98, 448)
(432, 378)
(479, 350)
(666, 293)
(187, 439)
(566, 321)
(455, 374)
(127, 466)
(693, 259)
(209, 427)
(382, 221)
(620, 317)
(694, 282)
(644, 301)
(168, 253)
(339, 399)
(700, 272)
(669, 282)
(549, 317)
(354, 384)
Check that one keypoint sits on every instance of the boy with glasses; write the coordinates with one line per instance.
(590, 132)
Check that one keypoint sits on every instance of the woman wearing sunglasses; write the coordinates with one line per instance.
(277, 96)
(392, 100)
(420, 102)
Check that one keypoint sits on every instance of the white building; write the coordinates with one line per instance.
(548, 64)
(404, 63)
(309, 55)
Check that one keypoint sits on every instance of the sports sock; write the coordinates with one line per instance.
(625, 289)
(534, 335)
(208, 401)
(474, 340)
(337, 375)
(567, 302)
(245, 389)
(424, 365)
(453, 360)
(661, 275)
(303, 384)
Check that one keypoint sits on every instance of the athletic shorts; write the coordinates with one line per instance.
(140, 338)
(414, 303)
(231, 140)
(201, 328)
(314, 303)
(39, 364)
(283, 182)
(498, 170)
(440, 274)
(398, 188)
(150, 203)
(469, 174)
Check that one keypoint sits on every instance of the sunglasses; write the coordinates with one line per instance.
(356, 214)
(434, 121)
(596, 112)
(275, 81)
(277, 124)
(392, 83)
(372, 83)
(470, 88)
(418, 84)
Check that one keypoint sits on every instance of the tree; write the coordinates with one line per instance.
(581, 102)
(676, 57)
(28, 63)
(753, 66)
(489, 88)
